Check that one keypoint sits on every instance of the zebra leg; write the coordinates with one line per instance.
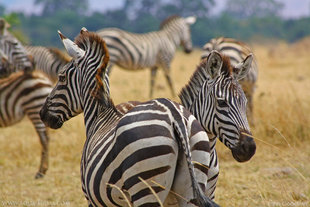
(168, 78)
(153, 76)
(44, 140)
(182, 186)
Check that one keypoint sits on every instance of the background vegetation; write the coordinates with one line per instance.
(242, 19)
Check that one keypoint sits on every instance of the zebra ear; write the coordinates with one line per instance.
(3, 26)
(190, 20)
(214, 64)
(242, 69)
(73, 50)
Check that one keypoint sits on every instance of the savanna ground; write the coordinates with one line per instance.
(278, 174)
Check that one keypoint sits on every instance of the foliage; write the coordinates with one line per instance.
(145, 15)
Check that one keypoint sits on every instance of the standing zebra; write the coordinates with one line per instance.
(48, 60)
(149, 50)
(236, 51)
(214, 96)
(13, 51)
(24, 94)
(121, 149)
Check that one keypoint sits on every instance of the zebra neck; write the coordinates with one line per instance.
(173, 34)
(191, 91)
(97, 117)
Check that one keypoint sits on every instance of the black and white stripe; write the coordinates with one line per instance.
(13, 51)
(152, 50)
(23, 95)
(237, 52)
(48, 60)
(156, 140)
(215, 97)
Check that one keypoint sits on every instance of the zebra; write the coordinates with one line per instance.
(152, 50)
(214, 96)
(237, 51)
(14, 52)
(124, 149)
(21, 95)
(48, 60)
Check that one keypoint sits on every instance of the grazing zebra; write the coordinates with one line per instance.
(13, 51)
(156, 141)
(48, 60)
(149, 50)
(237, 51)
(24, 94)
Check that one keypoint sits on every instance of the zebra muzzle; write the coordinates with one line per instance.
(245, 149)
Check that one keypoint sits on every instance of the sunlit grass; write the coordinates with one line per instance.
(278, 174)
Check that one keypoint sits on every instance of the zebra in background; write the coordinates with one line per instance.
(121, 149)
(24, 94)
(13, 51)
(237, 52)
(149, 50)
(48, 60)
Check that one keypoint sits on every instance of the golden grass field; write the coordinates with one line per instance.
(278, 174)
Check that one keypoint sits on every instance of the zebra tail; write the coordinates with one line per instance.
(183, 141)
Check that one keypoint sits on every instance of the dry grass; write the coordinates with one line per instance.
(278, 175)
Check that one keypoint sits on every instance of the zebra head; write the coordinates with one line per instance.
(228, 119)
(14, 52)
(81, 76)
(217, 100)
(178, 29)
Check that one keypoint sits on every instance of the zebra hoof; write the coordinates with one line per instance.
(39, 175)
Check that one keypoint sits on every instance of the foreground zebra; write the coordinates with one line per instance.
(214, 96)
(48, 60)
(12, 50)
(237, 51)
(150, 50)
(121, 149)
(23, 95)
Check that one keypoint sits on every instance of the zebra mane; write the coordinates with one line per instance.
(86, 41)
(59, 55)
(190, 91)
(168, 20)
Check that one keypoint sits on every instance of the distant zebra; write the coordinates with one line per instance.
(13, 51)
(149, 50)
(121, 149)
(214, 96)
(48, 60)
(237, 51)
(24, 94)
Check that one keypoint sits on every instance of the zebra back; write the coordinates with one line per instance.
(136, 51)
(236, 50)
(48, 60)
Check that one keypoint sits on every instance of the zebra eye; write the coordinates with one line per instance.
(222, 103)
(62, 78)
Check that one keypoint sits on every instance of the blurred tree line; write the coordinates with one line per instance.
(242, 19)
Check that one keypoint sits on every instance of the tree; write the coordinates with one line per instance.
(242, 9)
(51, 7)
